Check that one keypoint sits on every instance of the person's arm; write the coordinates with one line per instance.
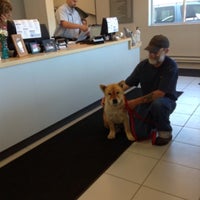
(3, 19)
(3, 22)
(146, 99)
(70, 25)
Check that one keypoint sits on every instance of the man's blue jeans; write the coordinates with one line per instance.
(160, 110)
(153, 116)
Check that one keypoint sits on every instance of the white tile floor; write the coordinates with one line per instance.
(171, 172)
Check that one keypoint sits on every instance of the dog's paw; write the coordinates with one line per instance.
(130, 137)
(111, 135)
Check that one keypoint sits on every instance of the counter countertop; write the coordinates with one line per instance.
(72, 48)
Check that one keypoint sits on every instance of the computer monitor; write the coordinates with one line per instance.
(109, 27)
(44, 35)
(27, 41)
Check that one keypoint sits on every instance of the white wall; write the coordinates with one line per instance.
(86, 5)
(18, 11)
(42, 10)
(59, 2)
(103, 10)
(184, 39)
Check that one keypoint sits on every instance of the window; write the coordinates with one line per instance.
(175, 11)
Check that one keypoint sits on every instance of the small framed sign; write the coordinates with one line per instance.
(49, 45)
(35, 47)
(19, 45)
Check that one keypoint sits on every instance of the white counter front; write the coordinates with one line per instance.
(39, 90)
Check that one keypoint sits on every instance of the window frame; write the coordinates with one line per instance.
(179, 13)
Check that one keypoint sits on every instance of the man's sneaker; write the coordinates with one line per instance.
(162, 141)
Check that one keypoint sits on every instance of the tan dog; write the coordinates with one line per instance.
(115, 111)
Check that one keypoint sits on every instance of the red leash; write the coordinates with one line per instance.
(132, 114)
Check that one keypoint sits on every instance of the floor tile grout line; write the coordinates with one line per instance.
(156, 164)
(164, 192)
(189, 144)
(182, 165)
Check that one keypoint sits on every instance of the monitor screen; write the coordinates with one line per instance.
(28, 28)
(109, 26)
(12, 30)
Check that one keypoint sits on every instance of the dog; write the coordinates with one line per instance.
(114, 110)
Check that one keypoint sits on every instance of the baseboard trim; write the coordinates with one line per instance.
(37, 136)
(189, 72)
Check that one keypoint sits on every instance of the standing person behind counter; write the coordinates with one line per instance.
(69, 21)
(6, 22)
(5, 13)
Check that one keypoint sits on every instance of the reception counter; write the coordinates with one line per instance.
(39, 90)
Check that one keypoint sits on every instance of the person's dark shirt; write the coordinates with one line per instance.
(152, 78)
(11, 30)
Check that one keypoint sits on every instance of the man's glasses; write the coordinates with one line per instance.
(156, 51)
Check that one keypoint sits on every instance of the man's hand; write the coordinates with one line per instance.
(3, 19)
(123, 85)
(133, 103)
(84, 28)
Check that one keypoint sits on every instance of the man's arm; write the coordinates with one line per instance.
(70, 25)
(146, 99)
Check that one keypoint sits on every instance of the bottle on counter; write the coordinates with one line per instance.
(3, 42)
(137, 34)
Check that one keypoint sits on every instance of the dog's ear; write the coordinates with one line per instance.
(103, 87)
